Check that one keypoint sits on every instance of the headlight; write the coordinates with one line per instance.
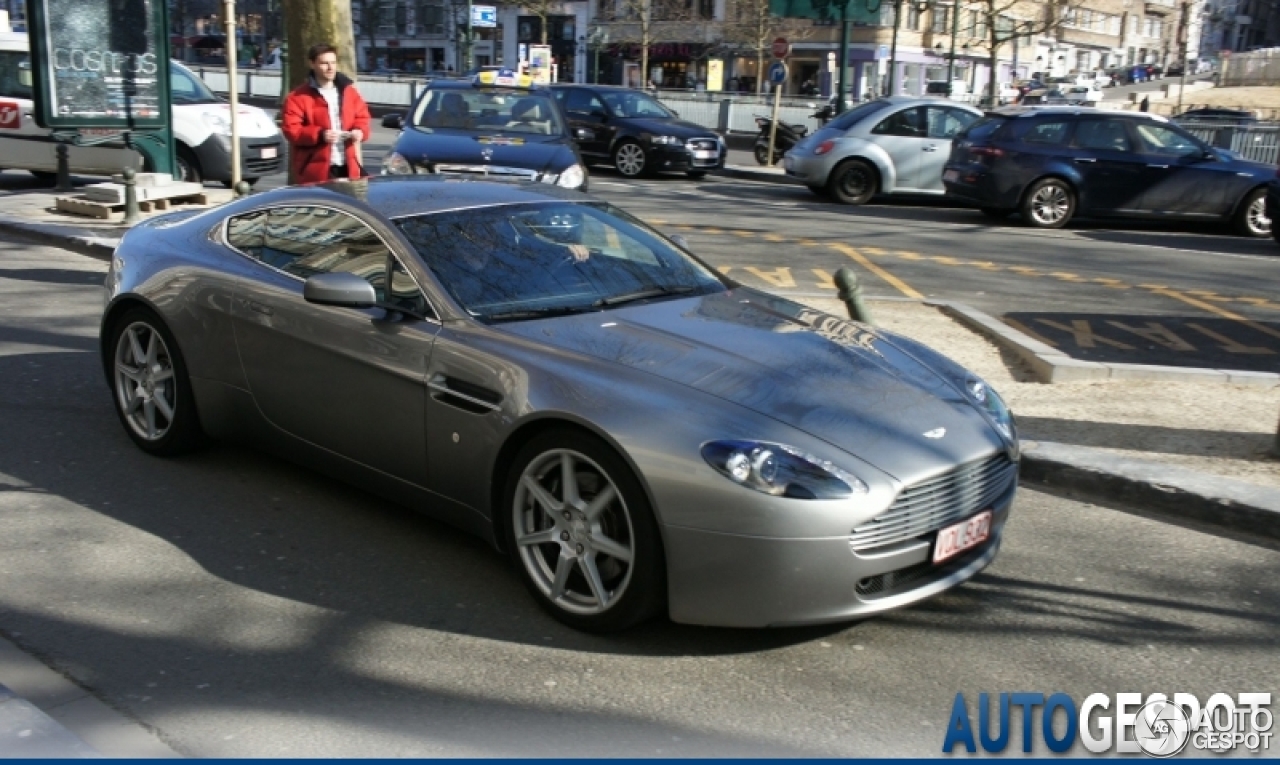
(572, 178)
(989, 401)
(665, 139)
(780, 470)
(216, 123)
(395, 163)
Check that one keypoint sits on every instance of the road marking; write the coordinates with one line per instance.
(1024, 329)
(1158, 334)
(778, 277)
(1025, 270)
(1114, 284)
(1229, 345)
(825, 280)
(901, 286)
(1084, 335)
(910, 255)
(1068, 277)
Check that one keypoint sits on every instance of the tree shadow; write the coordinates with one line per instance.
(1156, 439)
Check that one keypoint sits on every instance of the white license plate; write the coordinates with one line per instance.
(708, 154)
(269, 152)
(950, 175)
(961, 536)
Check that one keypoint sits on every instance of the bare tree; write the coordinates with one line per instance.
(751, 24)
(644, 22)
(368, 15)
(544, 10)
(1000, 22)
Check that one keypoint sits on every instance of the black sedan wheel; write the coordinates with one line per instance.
(582, 534)
(150, 385)
(1049, 203)
(630, 160)
(853, 182)
(1252, 218)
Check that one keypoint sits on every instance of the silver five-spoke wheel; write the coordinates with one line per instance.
(574, 532)
(145, 386)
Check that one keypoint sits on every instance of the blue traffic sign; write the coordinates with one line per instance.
(484, 16)
(777, 73)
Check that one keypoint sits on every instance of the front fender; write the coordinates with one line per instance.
(853, 147)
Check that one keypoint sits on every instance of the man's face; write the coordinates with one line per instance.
(325, 67)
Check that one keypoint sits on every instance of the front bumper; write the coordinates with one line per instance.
(258, 157)
(731, 580)
(693, 154)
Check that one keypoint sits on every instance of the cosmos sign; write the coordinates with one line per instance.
(100, 63)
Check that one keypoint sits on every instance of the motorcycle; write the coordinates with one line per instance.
(787, 135)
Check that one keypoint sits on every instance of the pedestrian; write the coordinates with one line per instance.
(1145, 105)
(325, 121)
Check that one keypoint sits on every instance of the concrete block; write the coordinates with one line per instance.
(1062, 369)
(1260, 379)
(147, 179)
(113, 193)
(1168, 374)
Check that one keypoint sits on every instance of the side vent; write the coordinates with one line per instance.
(463, 395)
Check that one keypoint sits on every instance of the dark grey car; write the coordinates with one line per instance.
(639, 433)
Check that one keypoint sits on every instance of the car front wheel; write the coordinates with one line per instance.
(1251, 218)
(1049, 203)
(581, 533)
(150, 385)
(629, 159)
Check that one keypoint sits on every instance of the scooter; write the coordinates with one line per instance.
(786, 137)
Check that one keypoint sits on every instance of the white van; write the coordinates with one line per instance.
(958, 90)
(201, 129)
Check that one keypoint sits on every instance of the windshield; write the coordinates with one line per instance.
(487, 110)
(631, 103)
(525, 261)
(186, 88)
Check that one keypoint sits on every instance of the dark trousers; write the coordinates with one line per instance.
(338, 171)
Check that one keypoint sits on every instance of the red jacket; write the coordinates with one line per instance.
(306, 117)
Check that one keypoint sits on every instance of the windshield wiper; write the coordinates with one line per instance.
(537, 313)
(642, 295)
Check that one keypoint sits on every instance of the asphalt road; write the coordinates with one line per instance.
(240, 606)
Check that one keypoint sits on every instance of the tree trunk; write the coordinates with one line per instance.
(307, 23)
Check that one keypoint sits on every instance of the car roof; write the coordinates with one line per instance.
(1014, 112)
(399, 196)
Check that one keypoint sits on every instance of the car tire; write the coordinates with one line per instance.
(630, 160)
(1048, 203)
(150, 386)
(1251, 217)
(571, 551)
(188, 167)
(995, 213)
(853, 182)
(696, 174)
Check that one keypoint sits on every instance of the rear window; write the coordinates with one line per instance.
(984, 129)
(1053, 133)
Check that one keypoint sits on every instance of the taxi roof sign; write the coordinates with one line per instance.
(504, 78)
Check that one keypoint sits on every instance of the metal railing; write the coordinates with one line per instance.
(1256, 142)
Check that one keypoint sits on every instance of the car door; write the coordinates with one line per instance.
(1182, 176)
(584, 109)
(903, 136)
(1111, 172)
(352, 381)
(943, 124)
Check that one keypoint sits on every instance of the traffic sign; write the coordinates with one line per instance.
(777, 73)
(484, 16)
(781, 47)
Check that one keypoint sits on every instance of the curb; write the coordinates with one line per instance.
(96, 247)
(1173, 493)
(1051, 365)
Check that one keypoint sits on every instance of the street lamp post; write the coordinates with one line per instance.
(597, 38)
(955, 31)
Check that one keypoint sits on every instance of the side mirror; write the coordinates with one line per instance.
(393, 121)
(339, 289)
(681, 241)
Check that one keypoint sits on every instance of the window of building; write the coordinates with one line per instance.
(940, 25)
(913, 17)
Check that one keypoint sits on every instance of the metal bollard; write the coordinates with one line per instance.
(64, 167)
(130, 195)
(851, 293)
(243, 189)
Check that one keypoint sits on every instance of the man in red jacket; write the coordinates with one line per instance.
(325, 121)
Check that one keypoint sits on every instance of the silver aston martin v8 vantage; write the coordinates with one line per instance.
(636, 431)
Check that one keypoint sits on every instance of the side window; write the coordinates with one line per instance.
(15, 74)
(1102, 135)
(245, 232)
(944, 122)
(305, 241)
(583, 102)
(1047, 133)
(908, 122)
(181, 88)
(1164, 140)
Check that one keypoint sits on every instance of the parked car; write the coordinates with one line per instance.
(1043, 96)
(1272, 201)
(1217, 116)
(496, 125)
(1083, 94)
(957, 90)
(888, 146)
(634, 132)
(640, 434)
(1051, 164)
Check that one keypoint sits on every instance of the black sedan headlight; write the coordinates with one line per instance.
(781, 470)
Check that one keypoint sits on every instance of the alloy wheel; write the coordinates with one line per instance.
(1050, 204)
(629, 159)
(145, 384)
(573, 532)
(1256, 217)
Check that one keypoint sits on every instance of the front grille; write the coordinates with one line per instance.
(703, 144)
(894, 582)
(489, 171)
(255, 165)
(928, 506)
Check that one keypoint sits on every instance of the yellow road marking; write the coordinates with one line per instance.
(745, 234)
(1024, 329)
(1114, 284)
(945, 260)
(1067, 277)
(825, 280)
(985, 265)
(809, 243)
(901, 286)
(1025, 270)
(905, 255)
(778, 277)
(773, 238)
(1083, 334)
(1259, 302)
(1229, 345)
(1156, 333)
(1263, 328)
(724, 269)
(873, 251)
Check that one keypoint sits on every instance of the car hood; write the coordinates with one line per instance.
(676, 127)
(532, 152)
(842, 382)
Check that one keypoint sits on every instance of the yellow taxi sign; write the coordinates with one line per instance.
(504, 78)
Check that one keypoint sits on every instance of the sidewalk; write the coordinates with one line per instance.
(1183, 445)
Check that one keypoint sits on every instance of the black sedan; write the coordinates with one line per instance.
(496, 126)
(636, 134)
(1050, 163)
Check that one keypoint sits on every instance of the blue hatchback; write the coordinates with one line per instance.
(1051, 164)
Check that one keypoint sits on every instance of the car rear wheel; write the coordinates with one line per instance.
(630, 160)
(1251, 218)
(581, 533)
(853, 182)
(1049, 203)
(150, 386)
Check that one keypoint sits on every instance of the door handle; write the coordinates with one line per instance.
(1162, 167)
(1085, 159)
(930, 147)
